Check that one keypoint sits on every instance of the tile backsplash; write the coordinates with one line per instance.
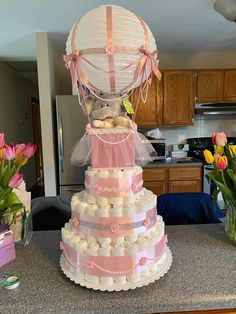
(203, 127)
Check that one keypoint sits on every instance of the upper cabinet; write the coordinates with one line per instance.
(215, 86)
(209, 86)
(179, 95)
(150, 112)
(230, 85)
(171, 101)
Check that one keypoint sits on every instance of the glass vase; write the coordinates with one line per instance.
(230, 221)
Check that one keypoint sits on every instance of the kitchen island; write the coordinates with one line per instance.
(202, 277)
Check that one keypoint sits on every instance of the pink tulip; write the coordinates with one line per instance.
(16, 180)
(29, 150)
(9, 152)
(220, 139)
(2, 140)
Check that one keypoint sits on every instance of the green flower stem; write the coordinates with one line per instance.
(230, 222)
(223, 177)
(2, 167)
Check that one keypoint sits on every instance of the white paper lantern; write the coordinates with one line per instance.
(110, 50)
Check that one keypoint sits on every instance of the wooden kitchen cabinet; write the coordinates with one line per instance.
(209, 86)
(230, 85)
(178, 108)
(157, 187)
(155, 179)
(184, 186)
(215, 86)
(150, 112)
(173, 179)
(185, 179)
(170, 102)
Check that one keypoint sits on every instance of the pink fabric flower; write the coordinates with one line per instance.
(143, 261)
(146, 222)
(89, 264)
(9, 152)
(110, 49)
(2, 140)
(16, 180)
(76, 221)
(88, 127)
(29, 150)
(115, 228)
(98, 189)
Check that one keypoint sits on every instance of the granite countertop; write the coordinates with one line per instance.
(202, 276)
(173, 163)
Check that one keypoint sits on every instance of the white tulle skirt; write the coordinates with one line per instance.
(112, 148)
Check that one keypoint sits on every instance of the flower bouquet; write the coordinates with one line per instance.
(12, 158)
(224, 177)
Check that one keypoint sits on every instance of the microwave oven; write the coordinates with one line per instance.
(160, 147)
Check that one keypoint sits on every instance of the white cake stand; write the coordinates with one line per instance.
(161, 271)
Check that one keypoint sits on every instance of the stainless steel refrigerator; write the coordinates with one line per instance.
(70, 127)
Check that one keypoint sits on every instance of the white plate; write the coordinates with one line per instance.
(162, 270)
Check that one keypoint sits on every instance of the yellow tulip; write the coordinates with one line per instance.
(219, 149)
(20, 160)
(232, 149)
(208, 156)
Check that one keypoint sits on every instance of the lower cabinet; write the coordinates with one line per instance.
(184, 186)
(157, 187)
(173, 179)
(155, 179)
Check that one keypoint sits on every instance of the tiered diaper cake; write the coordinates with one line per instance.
(115, 240)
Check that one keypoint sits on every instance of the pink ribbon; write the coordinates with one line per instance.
(147, 59)
(113, 226)
(110, 49)
(114, 187)
(107, 266)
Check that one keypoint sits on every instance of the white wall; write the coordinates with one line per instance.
(53, 80)
(197, 60)
(203, 127)
(46, 79)
(16, 113)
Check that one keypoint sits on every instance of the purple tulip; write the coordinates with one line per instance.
(9, 152)
(29, 150)
(2, 140)
(16, 180)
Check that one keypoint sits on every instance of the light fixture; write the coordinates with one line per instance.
(227, 8)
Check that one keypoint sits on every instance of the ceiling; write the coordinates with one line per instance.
(183, 25)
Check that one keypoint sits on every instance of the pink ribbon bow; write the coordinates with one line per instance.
(151, 57)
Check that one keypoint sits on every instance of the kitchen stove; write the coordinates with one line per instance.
(198, 144)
